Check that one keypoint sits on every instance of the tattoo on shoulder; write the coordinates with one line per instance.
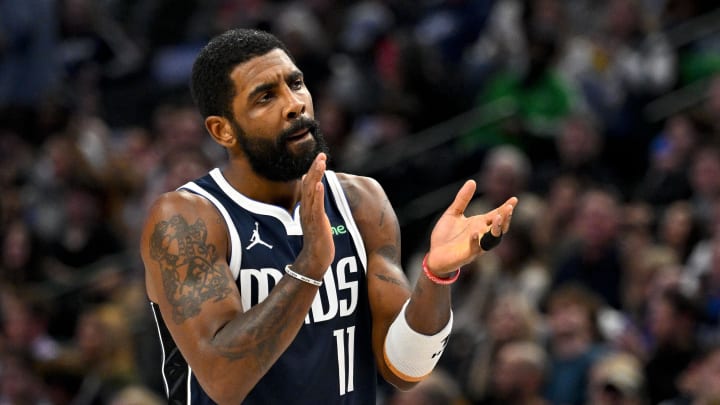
(190, 273)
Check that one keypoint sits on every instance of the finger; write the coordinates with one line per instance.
(318, 203)
(462, 199)
(496, 229)
(507, 217)
(317, 169)
(314, 175)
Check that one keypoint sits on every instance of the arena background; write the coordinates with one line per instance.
(601, 116)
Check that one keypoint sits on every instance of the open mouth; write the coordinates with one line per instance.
(299, 135)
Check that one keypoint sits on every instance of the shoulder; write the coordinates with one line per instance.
(360, 189)
(180, 201)
(183, 208)
(371, 209)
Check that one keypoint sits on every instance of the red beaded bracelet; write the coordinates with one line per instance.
(439, 280)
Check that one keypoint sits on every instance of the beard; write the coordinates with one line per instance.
(273, 159)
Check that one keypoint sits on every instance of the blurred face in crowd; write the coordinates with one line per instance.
(578, 142)
(568, 320)
(273, 117)
(17, 246)
(509, 318)
(597, 219)
(516, 373)
(676, 224)
(705, 173)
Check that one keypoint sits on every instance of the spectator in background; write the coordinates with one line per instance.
(518, 375)
(182, 147)
(19, 383)
(617, 379)
(678, 229)
(29, 67)
(574, 343)
(136, 395)
(86, 236)
(22, 255)
(578, 152)
(708, 293)
(552, 230)
(25, 328)
(705, 181)
(95, 52)
(535, 94)
(672, 323)
(506, 172)
(620, 66)
(59, 161)
(706, 113)
(101, 353)
(438, 388)
(666, 180)
(700, 260)
(637, 231)
(483, 326)
(645, 265)
(595, 259)
(699, 382)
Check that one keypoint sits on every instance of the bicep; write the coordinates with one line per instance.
(184, 249)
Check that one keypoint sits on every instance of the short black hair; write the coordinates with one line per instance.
(210, 86)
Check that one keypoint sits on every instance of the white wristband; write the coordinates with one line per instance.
(412, 355)
(298, 276)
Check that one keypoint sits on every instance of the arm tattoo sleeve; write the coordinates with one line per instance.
(182, 249)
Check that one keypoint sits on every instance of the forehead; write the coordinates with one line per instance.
(262, 69)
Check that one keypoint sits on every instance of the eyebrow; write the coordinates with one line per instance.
(263, 87)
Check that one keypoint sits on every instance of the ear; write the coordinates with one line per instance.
(221, 130)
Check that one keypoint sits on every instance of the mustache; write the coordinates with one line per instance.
(297, 125)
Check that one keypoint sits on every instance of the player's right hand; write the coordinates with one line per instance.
(318, 246)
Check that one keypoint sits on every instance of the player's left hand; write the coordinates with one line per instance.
(455, 239)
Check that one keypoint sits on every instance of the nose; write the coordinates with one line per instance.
(295, 106)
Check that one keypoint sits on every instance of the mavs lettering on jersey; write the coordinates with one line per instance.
(257, 283)
(331, 359)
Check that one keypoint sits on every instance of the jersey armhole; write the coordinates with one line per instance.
(235, 244)
(344, 207)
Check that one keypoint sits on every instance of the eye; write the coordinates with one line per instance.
(297, 84)
(265, 97)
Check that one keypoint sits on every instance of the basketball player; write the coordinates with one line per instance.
(276, 281)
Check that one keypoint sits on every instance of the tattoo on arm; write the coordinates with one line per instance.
(392, 280)
(352, 197)
(182, 248)
(264, 332)
(390, 252)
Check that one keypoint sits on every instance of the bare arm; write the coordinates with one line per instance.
(184, 249)
(454, 242)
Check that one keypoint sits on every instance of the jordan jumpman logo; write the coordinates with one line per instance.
(255, 239)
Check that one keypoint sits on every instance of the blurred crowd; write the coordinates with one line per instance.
(602, 117)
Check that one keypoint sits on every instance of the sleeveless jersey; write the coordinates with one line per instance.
(331, 360)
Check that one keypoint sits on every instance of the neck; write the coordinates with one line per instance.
(283, 194)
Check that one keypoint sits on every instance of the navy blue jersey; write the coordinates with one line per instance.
(331, 360)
